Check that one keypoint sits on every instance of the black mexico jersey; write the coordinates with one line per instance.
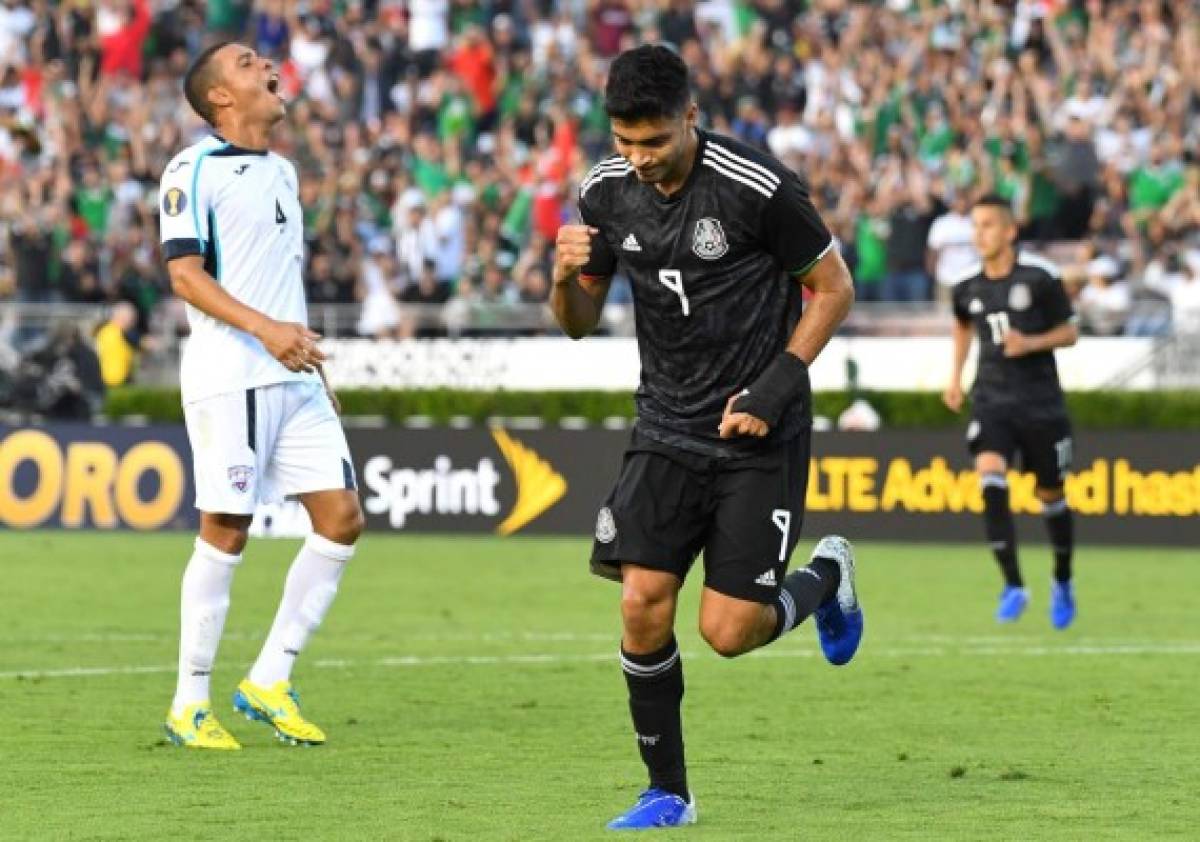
(1030, 299)
(712, 269)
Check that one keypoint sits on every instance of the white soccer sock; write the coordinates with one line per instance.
(312, 583)
(203, 606)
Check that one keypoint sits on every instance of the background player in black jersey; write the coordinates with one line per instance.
(718, 239)
(1016, 304)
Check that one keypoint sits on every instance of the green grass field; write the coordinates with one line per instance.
(471, 692)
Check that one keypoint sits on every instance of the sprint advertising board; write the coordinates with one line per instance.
(1128, 488)
(484, 480)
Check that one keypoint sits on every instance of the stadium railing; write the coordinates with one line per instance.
(1174, 361)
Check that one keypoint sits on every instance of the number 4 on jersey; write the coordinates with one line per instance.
(279, 217)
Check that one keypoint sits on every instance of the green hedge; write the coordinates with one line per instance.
(904, 410)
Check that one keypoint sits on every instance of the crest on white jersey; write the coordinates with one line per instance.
(240, 477)
(1019, 297)
(709, 243)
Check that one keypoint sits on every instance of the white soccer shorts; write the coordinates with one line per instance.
(264, 445)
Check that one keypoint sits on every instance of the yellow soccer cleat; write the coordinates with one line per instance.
(196, 727)
(279, 707)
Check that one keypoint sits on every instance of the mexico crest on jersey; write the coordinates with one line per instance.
(606, 527)
(709, 243)
(1019, 297)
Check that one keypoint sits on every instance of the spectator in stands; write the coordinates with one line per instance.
(870, 250)
(380, 315)
(1075, 170)
(1185, 296)
(31, 246)
(79, 277)
(909, 222)
(1106, 300)
(1181, 213)
(61, 377)
(1079, 112)
(325, 285)
(1154, 183)
(427, 292)
(415, 233)
(951, 248)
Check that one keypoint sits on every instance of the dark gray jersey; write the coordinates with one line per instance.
(713, 269)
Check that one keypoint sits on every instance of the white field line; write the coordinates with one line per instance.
(1184, 648)
(952, 641)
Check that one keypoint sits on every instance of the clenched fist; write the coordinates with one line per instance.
(573, 249)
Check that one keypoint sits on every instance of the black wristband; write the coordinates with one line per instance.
(784, 381)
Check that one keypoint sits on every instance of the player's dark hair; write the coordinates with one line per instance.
(646, 83)
(200, 77)
(994, 200)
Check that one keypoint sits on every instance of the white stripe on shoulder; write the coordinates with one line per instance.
(967, 273)
(596, 179)
(1028, 258)
(724, 153)
(757, 186)
(743, 171)
(613, 163)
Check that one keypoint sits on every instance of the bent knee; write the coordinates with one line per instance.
(1050, 495)
(344, 524)
(727, 639)
(353, 524)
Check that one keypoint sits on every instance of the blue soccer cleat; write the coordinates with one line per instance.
(1012, 604)
(656, 808)
(1062, 604)
(840, 620)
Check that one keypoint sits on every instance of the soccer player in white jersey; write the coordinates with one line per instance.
(260, 415)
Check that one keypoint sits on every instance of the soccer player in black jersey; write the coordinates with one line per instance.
(1015, 303)
(718, 238)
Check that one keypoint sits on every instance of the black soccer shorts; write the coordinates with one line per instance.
(669, 505)
(1044, 443)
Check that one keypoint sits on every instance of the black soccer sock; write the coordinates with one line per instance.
(1000, 529)
(803, 591)
(1060, 525)
(655, 684)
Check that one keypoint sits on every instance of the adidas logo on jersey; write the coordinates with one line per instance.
(767, 580)
(976, 306)
(631, 244)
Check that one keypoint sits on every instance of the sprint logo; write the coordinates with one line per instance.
(539, 486)
(451, 490)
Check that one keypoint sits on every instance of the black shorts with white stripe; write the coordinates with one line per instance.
(669, 506)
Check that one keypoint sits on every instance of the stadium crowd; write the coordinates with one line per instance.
(441, 142)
